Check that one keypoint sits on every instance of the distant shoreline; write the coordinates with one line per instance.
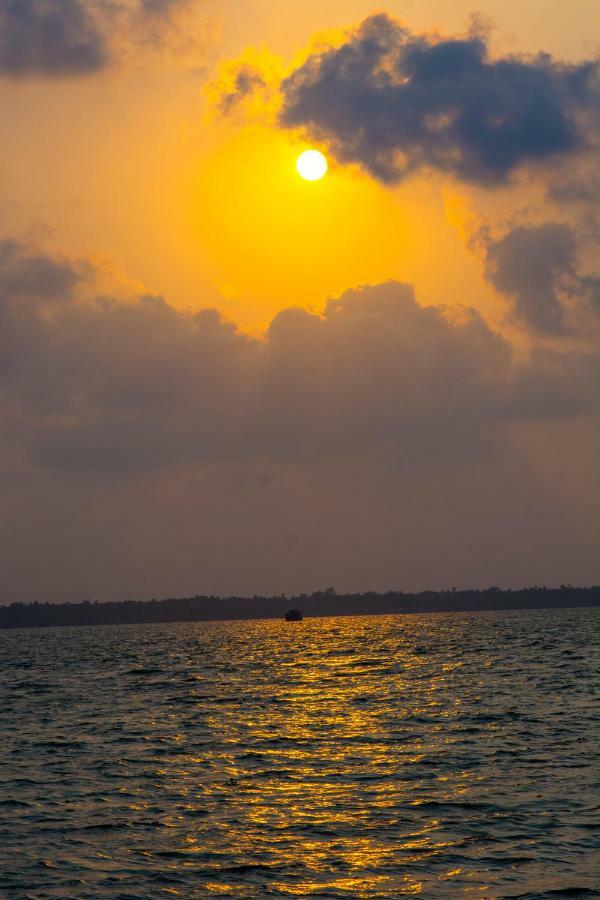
(319, 604)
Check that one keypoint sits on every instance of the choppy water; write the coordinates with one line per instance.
(442, 755)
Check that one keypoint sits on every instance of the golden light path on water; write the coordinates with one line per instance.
(325, 720)
(365, 757)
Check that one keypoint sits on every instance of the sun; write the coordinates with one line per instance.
(312, 165)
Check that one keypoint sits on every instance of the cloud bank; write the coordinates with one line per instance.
(90, 383)
(378, 444)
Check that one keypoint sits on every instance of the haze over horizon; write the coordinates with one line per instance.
(217, 377)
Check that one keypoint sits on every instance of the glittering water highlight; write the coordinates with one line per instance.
(441, 755)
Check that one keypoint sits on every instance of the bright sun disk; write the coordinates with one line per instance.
(312, 165)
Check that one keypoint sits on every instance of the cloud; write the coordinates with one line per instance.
(148, 451)
(245, 80)
(70, 38)
(112, 385)
(558, 384)
(536, 266)
(247, 87)
(378, 369)
(50, 37)
(579, 187)
(92, 383)
(394, 102)
(25, 273)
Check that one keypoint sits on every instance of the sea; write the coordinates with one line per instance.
(441, 755)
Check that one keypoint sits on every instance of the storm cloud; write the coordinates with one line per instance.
(393, 102)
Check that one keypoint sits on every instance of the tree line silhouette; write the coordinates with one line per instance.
(320, 603)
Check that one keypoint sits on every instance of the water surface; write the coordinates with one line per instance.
(441, 755)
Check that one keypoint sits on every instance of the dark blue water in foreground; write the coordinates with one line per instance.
(441, 755)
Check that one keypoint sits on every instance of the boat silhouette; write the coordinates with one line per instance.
(294, 615)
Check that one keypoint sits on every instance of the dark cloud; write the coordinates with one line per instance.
(112, 385)
(557, 384)
(537, 267)
(393, 102)
(50, 37)
(30, 282)
(160, 7)
(378, 369)
(580, 187)
(62, 38)
(379, 444)
(101, 384)
(24, 273)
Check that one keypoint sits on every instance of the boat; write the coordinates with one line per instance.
(294, 615)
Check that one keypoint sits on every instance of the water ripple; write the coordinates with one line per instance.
(441, 755)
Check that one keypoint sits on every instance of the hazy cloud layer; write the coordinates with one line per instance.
(537, 267)
(146, 451)
(394, 102)
(61, 38)
(101, 384)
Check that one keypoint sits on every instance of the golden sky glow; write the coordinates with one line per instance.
(385, 362)
(214, 214)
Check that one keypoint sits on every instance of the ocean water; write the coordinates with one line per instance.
(436, 755)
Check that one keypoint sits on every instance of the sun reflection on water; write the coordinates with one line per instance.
(358, 758)
(318, 762)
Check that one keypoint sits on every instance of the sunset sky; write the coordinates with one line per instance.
(217, 377)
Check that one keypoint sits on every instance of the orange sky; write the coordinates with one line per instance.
(134, 166)
(436, 427)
